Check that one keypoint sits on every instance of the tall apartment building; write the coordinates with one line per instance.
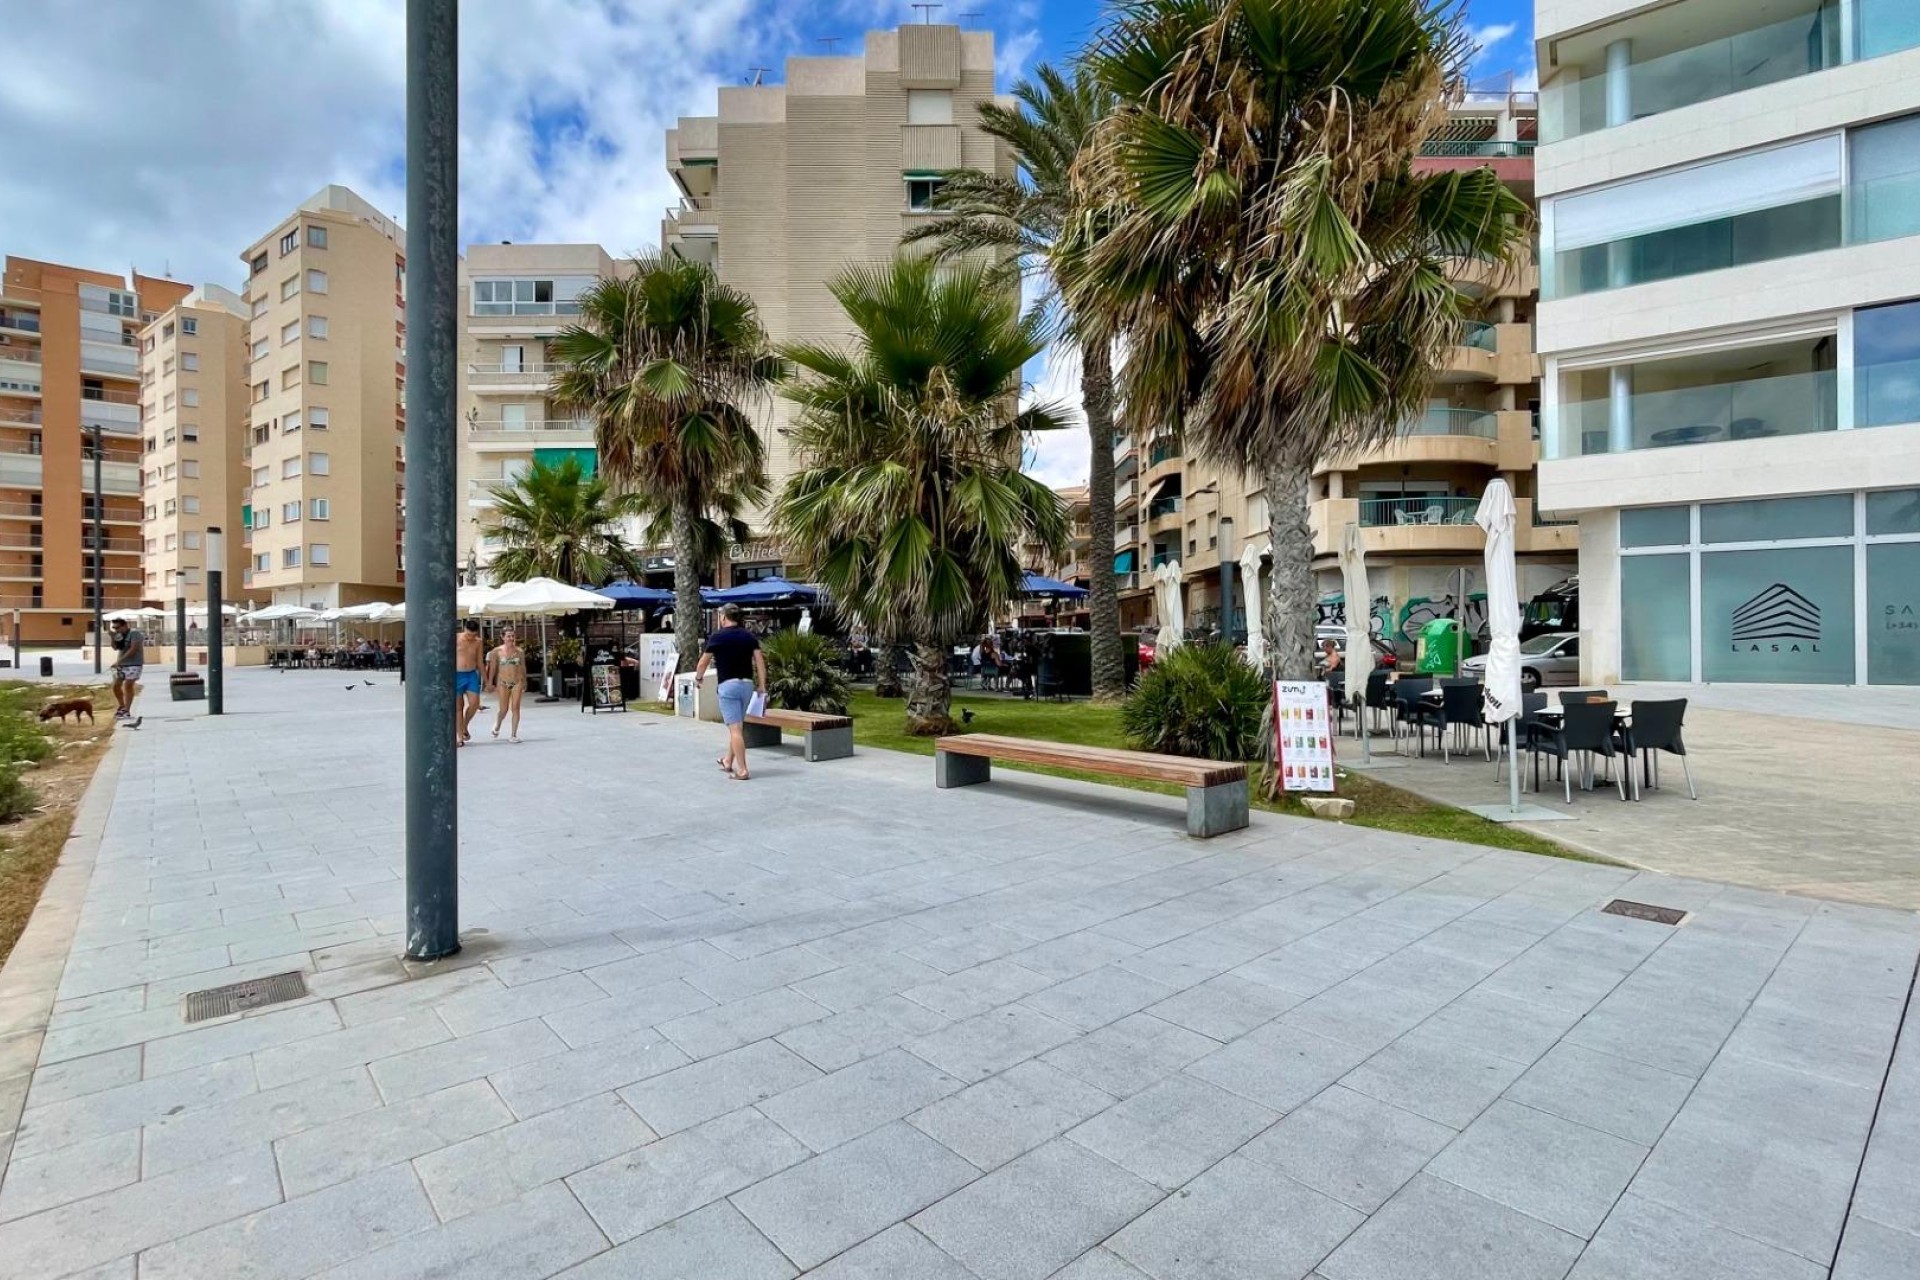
(790, 183)
(1730, 322)
(1413, 499)
(325, 380)
(193, 416)
(69, 362)
(513, 299)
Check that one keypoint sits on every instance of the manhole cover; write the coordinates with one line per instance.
(241, 996)
(1644, 911)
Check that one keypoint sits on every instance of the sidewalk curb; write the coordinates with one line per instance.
(30, 979)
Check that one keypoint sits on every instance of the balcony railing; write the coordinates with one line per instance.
(27, 510)
(1417, 509)
(19, 320)
(1163, 557)
(498, 429)
(1480, 335)
(495, 369)
(1162, 451)
(20, 417)
(109, 397)
(1750, 409)
(18, 354)
(1163, 507)
(1454, 422)
(1484, 148)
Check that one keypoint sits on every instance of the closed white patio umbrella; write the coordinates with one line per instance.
(1256, 599)
(1502, 693)
(1167, 605)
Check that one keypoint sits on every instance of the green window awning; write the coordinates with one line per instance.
(589, 460)
(1123, 563)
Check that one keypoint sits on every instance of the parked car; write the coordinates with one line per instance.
(1548, 659)
(1554, 611)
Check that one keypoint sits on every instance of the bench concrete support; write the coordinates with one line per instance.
(760, 735)
(1216, 810)
(829, 744)
(951, 769)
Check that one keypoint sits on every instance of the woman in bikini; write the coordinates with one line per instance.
(507, 677)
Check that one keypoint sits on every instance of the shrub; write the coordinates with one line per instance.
(1199, 700)
(23, 739)
(802, 675)
(16, 797)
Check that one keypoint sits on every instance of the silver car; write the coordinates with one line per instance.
(1548, 659)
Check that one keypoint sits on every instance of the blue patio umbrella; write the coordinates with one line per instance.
(1036, 586)
(632, 595)
(768, 591)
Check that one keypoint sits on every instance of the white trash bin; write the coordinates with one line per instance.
(703, 704)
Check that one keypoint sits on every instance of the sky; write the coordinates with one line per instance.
(167, 137)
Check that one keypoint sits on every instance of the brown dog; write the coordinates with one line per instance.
(76, 707)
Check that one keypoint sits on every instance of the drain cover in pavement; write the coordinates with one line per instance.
(217, 1002)
(1643, 911)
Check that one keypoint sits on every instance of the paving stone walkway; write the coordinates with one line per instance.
(836, 1022)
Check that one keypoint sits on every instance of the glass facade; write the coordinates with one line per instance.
(1823, 589)
(1886, 364)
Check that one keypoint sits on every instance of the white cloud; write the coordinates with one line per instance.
(1486, 39)
(1059, 458)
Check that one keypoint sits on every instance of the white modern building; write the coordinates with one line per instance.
(1730, 328)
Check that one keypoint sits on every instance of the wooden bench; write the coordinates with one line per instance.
(828, 737)
(1216, 789)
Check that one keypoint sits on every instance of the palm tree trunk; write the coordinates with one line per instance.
(886, 669)
(686, 585)
(1103, 600)
(930, 696)
(1290, 592)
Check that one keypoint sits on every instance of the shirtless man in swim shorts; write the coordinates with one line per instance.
(466, 679)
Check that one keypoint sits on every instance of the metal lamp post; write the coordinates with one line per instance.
(99, 559)
(1228, 550)
(217, 633)
(180, 620)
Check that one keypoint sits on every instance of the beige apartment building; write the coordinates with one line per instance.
(70, 363)
(790, 183)
(193, 416)
(322, 500)
(514, 298)
(1413, 499)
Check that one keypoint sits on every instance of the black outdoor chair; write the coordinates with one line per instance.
(1379, 694)
(1531, 705)
(1461, 703)
(1585, 727)
(1656, 728)
(1580, 695)
(1407, 694)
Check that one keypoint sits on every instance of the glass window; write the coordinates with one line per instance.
(1656, 618)
(1830, 515)
(1781, 616)
(1655, 527)
(260, 346)
(290, 422)
(319, 509)
(929, 106)
(320, 553)
(190, 469)
(262, 518)
(1885, 26)
(316, 237)
(316, 282)
(259, 264)
(1883, 180)
(289, 287)
(289, 332)
(190, 505)
(290, 558)
(289, 242)
(289, 512)
(1893, 511)
(319, 464)
(316, 326)
(191, 541)
(263, 562)
(189, 326)
(317, 372)
(920, 193)
(317, 417)
(1886, 364)
(289, 468)
(1893, 613)
(189, 362)
(190, 398)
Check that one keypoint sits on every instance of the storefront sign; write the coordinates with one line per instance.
(658, 658)
(1302, 735)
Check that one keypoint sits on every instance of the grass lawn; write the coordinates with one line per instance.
(880, 722)
(32, 836)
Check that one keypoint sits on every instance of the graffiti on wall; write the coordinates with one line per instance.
(1333, 613)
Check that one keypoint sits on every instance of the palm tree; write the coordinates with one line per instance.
(1018, 222)
(667, 360)
(910, 504)
(556, 521)
(1277, 266)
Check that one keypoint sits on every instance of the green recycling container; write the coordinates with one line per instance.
(1439, 648)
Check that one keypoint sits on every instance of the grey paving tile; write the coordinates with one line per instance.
(541, 1233)
(302, 1236)
(1547, 1167)
(626, 1013)
(1073, 954)
(1099, 997)
(716, 1086)
(832, 1202)
(833, 1109)
(1278, 1067)
(1874, 1251)
(1225, 1008)
(554, 1081)
(76, 1077)
(1032, 1216)
(332, 1153)
(1437, 1231)
(1356, 1149)
(1175, 1130)
(176, 1141)
(1238, 1221)
(1005, 1115)
(95, 1115)
(503, 1164)
(70, 1173)
(1621, 1097)
(950, 953)
(351, 1046)
(439, 1066)
(1641, 1240)
(100, 1229)
(1100, 1264)
(728, 1026)
(483, 1010)
(1676, 1025)
(1129, 1055)
(632, 1194)
(1504, 1026)
(249, 1034)
(862, 983)
(974, 991)
(714, 1243)
(415, 995)
(978, 1047)
(1435, 1073)
(897, 1252)
(845, 1038)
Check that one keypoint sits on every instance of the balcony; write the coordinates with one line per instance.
(480, 490)
(109, 397)
(10, 417)
(115, 477)
(1163, 515)
(14, 353)
(525, 378)
(1126, 493)
(1416, 509)
(20, 471)
(527, 433)
(1688, 53)
(1486, 148)
(1480, 424)
(20, 511)
(19, 322)
(1162, 450)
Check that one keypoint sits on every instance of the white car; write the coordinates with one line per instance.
(1548, 659)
